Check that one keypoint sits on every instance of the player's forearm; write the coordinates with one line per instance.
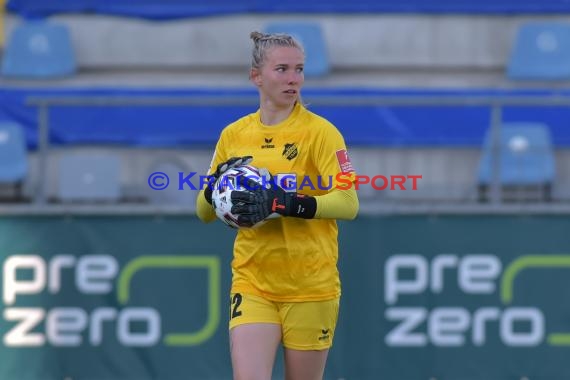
(338, 204)
(204, 210)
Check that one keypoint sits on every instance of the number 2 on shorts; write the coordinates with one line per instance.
(236, 302)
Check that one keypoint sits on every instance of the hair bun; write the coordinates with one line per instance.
(256, 36)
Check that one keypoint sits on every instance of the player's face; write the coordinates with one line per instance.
(281, 77)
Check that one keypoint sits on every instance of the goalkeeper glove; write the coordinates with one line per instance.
(258, 202)
(233, 162)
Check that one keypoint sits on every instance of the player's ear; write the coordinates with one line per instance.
(255, 77)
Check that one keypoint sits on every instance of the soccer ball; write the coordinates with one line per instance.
(229, 182)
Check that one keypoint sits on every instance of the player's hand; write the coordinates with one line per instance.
(223, 167)
(233, 162)
(257, 202)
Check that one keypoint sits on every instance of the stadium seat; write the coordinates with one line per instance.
(13, 156)
(541, 52)
(172, 166)
(526, 158)
(39, 50)
(88, 177)
(311, 36)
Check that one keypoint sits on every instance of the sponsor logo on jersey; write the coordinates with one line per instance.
(268, 144)
(290, 151)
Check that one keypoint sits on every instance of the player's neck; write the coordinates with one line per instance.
(273, 115)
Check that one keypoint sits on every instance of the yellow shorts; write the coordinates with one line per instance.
(304, 325)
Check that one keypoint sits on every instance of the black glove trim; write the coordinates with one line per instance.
(303, 206)
(208, 194)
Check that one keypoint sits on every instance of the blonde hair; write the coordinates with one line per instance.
(262, 43)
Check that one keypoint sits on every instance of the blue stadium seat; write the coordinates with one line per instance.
(39, 50)
(541, 52)
(311, 36)
(89, 177)
(13, 155)
(526, 156)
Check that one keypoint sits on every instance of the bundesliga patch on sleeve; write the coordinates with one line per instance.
(344, 161)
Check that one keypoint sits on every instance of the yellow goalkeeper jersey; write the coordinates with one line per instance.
(288, 259)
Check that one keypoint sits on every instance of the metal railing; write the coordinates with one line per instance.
(496, 104)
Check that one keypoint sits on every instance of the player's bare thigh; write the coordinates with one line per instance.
(253, 347)
(305, 365)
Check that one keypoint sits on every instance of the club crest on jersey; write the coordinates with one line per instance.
(268, 144)
(290, 151)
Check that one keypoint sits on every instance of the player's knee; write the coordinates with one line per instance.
(254, 372)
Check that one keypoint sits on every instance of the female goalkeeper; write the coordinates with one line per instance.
(285, 282)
